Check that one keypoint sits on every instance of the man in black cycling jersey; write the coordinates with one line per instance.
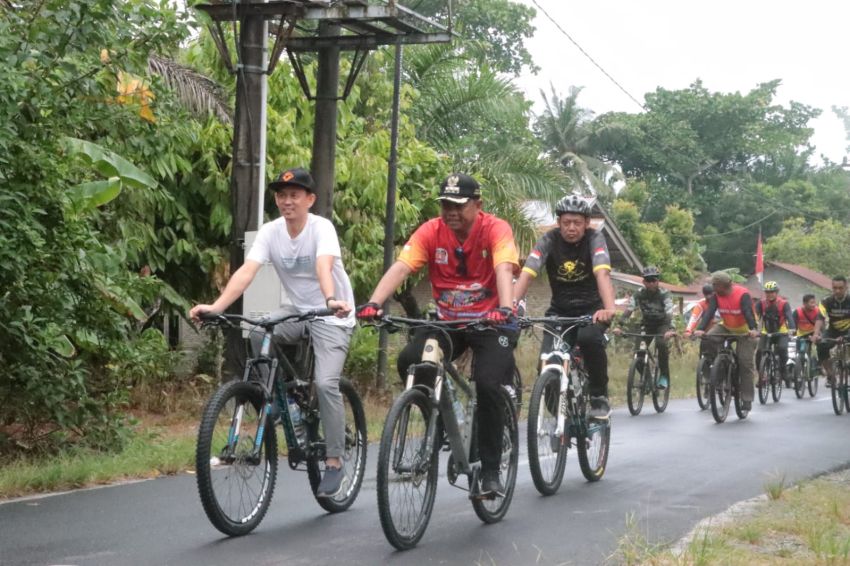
(578, 266)
(836, 310)
(656, 310)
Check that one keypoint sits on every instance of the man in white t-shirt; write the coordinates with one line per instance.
(305, 252)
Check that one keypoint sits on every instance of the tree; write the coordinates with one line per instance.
(821, 246)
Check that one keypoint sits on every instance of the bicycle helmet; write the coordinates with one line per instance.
(771, 286)
(707, 289)
(572, 204)
(651, 272)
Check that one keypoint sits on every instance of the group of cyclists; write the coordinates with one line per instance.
(475, 274)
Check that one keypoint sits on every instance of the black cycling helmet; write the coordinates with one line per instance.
(572, 204)
(651, 272)
(707, 289)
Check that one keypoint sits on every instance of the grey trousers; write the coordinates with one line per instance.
(746, 357)
(330, 345)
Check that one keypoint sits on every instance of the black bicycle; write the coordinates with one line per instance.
(703, 382)
(557, 411)
(726, 380)
(805, 369)
(840, 375)
(236, 456)
(644, 375)
(420, 418)
(770, 370)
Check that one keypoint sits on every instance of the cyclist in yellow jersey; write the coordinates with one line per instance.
(835, 310)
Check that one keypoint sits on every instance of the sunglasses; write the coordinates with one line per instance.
(461, 262)
(650, 280)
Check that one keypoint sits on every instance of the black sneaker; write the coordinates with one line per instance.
(331, 483)
(747, 405)
(599, 408)
(491, 484)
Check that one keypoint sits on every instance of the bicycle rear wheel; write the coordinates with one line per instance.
(721, 388)
(765, 371)
(547, 453)
(593, 449)
(659, 396)
(493, 510)
(407, 470)
(235, 474)
(353, 458)
(634, 385)
(703, 382)
(801, 371)
(839, 387)
(776, 382)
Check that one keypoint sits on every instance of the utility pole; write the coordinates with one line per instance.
(247, 178)
(324, 126)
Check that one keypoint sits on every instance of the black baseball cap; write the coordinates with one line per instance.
(297, 177)
(459, 188)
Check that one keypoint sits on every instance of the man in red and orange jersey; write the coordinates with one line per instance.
(471, 258)
(696, 315)
(735, 306)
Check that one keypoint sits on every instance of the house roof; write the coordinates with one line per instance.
(810, 275)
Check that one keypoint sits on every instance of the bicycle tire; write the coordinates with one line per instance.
(777, 384)
(516, 383)
(764, 377)
(635, 391)
(736, 396)
(721, 388)
(593, 447)
(660, 397)
(235, 494)
(812, 378)
(411, 409)
(801, 370)
(703, 383)
(353, 459)
(545, 464)
(493, 510)
(839, 383)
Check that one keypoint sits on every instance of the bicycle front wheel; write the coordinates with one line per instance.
(407, 471)
(765, 373)
(801, 372)
(703, 381)
(235, 472)
(839, 387)
(811, 376)
(721, 388)
(493, 510)
(547, 452)
(634, 385)
(593, 449)
(776, 382)
(353, 458)
(660, 397)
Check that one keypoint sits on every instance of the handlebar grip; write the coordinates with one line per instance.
(321, 312)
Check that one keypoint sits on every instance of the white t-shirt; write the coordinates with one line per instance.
(294, 259)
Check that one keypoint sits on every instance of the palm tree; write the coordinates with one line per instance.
(562, 129)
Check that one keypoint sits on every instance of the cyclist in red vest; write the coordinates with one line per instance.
(774, 315)
(806, 317)
(735, 306)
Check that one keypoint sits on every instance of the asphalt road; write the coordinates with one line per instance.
(666, 471)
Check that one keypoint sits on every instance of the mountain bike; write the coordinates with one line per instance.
(557, 410)
(840, 375)
(427, 412)
(805, 369)
(703, 382)
(726, 380)
(644, 374)
(236, 456)
(769, 370)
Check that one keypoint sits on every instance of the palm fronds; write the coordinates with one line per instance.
(200, 94)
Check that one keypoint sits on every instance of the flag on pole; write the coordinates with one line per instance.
(759, 261)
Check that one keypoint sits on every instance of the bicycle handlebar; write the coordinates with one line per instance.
(447, 325)
(526, 321)
(215, 319)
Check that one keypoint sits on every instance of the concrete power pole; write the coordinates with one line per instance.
(324, 127)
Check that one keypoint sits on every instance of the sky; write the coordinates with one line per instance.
(731, 45)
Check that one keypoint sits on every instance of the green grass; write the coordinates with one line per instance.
(808, 523)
